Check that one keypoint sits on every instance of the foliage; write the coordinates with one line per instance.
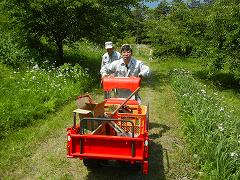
(212, 128)
(30, 95)
(210, 31)
(11, 53)
(136, 25)
(171, 31)
(70, 20)
(14, 53)
(223, 35)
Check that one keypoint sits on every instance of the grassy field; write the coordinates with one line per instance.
(39, 152)
(31, 93)
(44, 156)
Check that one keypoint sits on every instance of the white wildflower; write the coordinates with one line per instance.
(34, 78)
(36, 67)
(203, 91)
(234, 154)
(221, 109)
(195, 156)
(220, 127)
(60, 75)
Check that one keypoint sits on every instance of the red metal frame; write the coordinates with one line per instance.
(131, 83)
(120, 101)
(132, 148)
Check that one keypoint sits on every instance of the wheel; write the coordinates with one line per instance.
(136, 166)
(91, 164)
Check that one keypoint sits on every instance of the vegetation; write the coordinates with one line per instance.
(212, 127)
(208, 31)
(31, 94)
(58, 21)
(50, 52)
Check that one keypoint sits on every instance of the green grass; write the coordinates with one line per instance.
(38, 151)
(23, 143)
(211, 126)
(29, 94)
(206, 105)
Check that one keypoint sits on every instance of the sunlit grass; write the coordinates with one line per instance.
(211, 126)
(30, 94)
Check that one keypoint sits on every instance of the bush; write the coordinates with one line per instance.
(10, 51)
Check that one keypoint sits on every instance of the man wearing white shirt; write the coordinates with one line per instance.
(127, 66)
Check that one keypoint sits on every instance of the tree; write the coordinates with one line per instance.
(136, 26)
(223, 33)
(162, 9)
(71, 20)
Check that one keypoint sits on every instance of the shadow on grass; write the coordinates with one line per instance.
(156, 163)
(222, 81)
(156, 80)
(90, 63)
(122, 172)
(162, 128)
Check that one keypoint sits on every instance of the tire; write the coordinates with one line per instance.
(91, 164)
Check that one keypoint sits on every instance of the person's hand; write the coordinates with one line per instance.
(107, 75)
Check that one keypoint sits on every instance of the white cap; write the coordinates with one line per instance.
(108, 45)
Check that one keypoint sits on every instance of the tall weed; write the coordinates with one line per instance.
(14, 51)
(212, 128)
(29, 95)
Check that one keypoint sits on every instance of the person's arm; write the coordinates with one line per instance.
(108, 69)
(103, 62)
(144, 70)
(103, 70)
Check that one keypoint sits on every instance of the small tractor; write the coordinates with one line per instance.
(115, 129)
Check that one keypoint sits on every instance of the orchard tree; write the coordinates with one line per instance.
(222, 35)
(60, 20)
(139, 16)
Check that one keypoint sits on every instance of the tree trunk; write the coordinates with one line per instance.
(60, 57)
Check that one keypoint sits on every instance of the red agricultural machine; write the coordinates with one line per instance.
(113, 130)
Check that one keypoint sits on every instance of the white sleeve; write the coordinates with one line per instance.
(103, 70)
(103, 62)
(144, 70)
(109, 68)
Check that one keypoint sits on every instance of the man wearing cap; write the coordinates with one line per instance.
(110, 55)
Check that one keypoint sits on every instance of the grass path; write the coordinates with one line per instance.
(38, 152)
